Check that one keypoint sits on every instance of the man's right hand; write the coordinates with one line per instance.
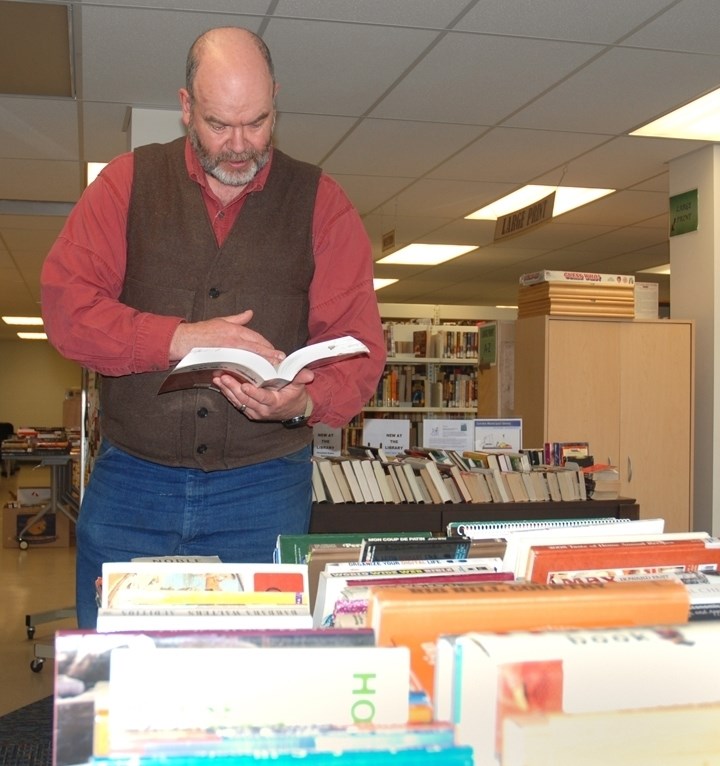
(230, 331)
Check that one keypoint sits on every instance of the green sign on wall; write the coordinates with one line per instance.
(683, 213)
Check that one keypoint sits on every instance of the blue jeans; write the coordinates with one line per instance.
(132, 508)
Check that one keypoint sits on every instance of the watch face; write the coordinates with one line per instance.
(298, 420)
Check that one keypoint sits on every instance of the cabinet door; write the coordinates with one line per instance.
(655, 457)
(583, 385)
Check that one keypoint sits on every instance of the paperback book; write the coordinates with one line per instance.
(499, 675)
(200, 365)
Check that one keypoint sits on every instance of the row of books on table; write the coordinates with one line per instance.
(609, 657)
(481, 477)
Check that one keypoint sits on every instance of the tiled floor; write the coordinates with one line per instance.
(33, 581)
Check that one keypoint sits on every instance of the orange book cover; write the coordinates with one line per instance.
(415, 615)
(580, 562)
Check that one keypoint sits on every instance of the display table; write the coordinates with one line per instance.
(61, 498)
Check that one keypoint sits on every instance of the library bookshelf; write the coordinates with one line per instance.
(381, 517)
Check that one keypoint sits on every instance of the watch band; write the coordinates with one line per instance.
(300, 420)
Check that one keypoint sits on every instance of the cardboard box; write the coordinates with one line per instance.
(51, 531)
(33, 495)
(72, 408)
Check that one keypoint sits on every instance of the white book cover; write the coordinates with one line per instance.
(577, 671)
(170, 692)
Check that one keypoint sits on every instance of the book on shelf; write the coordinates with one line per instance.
(121, 695)
(332, 488)
(497, 676)
(200, 365)
(415, 615)
(318, 487)
(343, 483)
(580, 561)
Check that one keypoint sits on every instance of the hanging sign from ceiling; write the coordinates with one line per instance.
(525, 218)
(684, 212)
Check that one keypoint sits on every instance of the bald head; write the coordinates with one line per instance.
(232, 44)
(228, 106)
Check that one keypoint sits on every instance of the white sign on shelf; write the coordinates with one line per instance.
(498, 434)
(392, 434)
(451, 433)
(327, 441)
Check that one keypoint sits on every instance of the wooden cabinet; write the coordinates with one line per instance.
(627, 388)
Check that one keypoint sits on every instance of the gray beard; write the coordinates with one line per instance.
(211, 165)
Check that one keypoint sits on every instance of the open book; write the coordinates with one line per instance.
(198, 367)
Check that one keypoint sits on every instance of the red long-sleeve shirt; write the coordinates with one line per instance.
(83, 274)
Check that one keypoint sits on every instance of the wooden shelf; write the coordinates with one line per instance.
(380, 517)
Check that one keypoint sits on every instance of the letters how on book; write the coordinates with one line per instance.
(497, 675)
(415, 615)
(218, 688)
(200, 365)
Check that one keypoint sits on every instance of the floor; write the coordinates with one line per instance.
(36, 580)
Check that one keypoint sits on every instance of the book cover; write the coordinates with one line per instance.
(335, 577)
(169, 584)
(122, 695)
(578, 671)
(607, 560)
(519, 542)
(200, 365)
(414, 615)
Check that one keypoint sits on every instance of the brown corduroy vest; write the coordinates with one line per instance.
(175, 267)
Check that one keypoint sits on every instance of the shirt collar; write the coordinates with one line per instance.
(197, 174)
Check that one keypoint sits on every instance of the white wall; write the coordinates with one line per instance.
(33, 381)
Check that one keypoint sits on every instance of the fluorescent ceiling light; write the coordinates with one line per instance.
(566, 198)
(426, 255)
(664, 269)
(378, 284)
(32, 335)
(505, 307)
(93, 168)
(699, 120)
(25, 321)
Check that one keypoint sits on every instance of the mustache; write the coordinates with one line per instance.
(228, 156)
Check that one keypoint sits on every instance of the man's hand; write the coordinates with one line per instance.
(229, 331)
(267, 404)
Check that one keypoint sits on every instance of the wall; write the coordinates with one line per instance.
(33, 381)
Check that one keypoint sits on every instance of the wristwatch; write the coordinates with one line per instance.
(300, 420)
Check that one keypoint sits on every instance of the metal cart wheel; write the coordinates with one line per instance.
(37, 664)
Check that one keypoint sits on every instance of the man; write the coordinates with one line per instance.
(214, 240)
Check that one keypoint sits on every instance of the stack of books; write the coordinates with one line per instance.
(574, 293)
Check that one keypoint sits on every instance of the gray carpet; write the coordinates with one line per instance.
(26, 735)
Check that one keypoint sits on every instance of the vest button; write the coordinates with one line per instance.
(202, 449)
(213, 292)
(202, 412)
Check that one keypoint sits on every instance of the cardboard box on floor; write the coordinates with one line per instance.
(33, 495)
(51, 531)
